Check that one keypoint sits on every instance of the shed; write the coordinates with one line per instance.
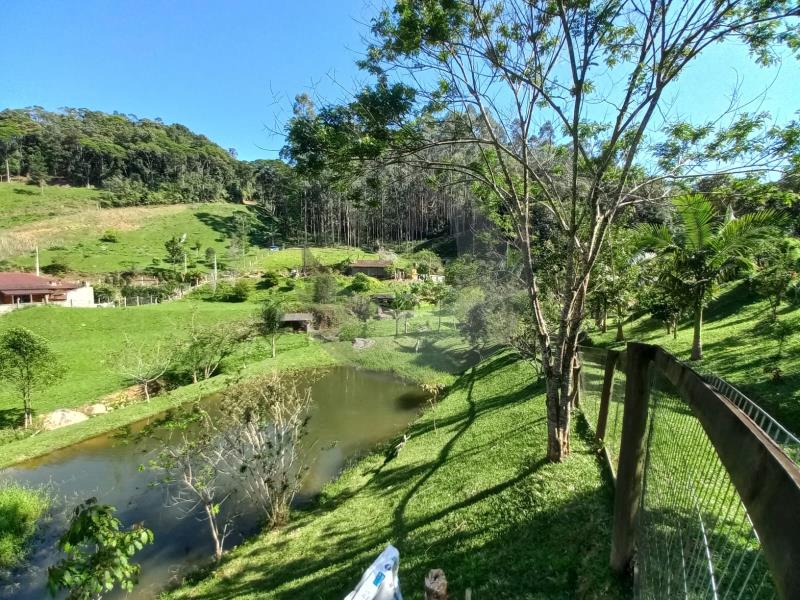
(383, 300)
(373, 268)
(298, 321)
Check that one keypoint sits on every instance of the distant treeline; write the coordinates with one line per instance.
(145, 161)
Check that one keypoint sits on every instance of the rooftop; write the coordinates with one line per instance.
(30, 283)
(297, 317)
(371, 263)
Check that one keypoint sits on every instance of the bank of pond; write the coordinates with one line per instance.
(353, 410)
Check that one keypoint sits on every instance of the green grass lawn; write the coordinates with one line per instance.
(739, 343)
(21, 204)
(473, 496)
(87, 341)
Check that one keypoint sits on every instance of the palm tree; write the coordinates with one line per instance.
(707, 246)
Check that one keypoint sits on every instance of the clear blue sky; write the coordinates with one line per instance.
(230, 68)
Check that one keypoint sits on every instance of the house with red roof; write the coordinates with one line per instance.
(17, 289)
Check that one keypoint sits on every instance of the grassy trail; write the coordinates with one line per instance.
(472, 495)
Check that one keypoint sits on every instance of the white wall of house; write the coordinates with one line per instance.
(82, 296)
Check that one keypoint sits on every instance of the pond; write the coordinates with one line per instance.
(353, 410)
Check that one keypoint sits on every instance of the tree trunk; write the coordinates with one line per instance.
(146, 388)
(8, 172)
(273, 346)
(27, 407)
(212, 525)
(697, 343)
(620, 332)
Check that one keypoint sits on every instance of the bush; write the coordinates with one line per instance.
(350, 331)
(159, 292)
(325, 288)
(109, 236)
(20, 510)
(362, 283)
(105, 293)
(328, 315)
(56, 269)
(269, 280)
(238, 292)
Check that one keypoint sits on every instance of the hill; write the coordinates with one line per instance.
(69, 226)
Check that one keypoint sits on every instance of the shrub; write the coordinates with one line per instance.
(328, 315)
(57, 269)
(105, 293)
(324, 288)
(362, 283)
(109, 236)
(237, 292)
(350, 331)
(20, 510)
(269, 280)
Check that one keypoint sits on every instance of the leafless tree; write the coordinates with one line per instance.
(144, 363)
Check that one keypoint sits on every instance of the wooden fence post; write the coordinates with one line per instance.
(630, 467)
(605, 395)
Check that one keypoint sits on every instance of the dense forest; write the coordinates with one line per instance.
(139, 161)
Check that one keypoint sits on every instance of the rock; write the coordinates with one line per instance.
(363, 343)
(95, 409)
(61, 418)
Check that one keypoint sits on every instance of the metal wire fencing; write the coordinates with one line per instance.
(695, 538)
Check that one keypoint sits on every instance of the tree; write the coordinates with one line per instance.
(263, 427)
(363, 309)
(192, 468)
(38, 171)
(324, 288)
(402, 302)
(176, 253)
(270, 320)
(207, 346)
(144, 363)
(520, 79)
(28, 364)
(98, 554)
(775, 276)
(706, 247)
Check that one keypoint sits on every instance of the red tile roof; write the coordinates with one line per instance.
(28, 283)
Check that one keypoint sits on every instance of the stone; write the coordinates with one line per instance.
(96, 409)
(61, 418)
(363, 343)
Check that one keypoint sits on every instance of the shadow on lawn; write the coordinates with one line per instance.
(11, 418)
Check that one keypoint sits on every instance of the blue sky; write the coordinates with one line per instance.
(229, 69)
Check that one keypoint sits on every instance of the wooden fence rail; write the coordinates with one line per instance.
(766, 480)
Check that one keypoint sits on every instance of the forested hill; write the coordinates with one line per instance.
(138, 161)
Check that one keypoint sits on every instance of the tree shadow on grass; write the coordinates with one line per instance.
(11, 418)
(225, 225)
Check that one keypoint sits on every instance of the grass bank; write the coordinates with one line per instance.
(474, 496)
(21, 509)
(307, 355)
(742, 345)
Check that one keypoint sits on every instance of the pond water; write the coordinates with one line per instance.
(353, 410)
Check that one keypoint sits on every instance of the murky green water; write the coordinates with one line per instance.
(352, 411)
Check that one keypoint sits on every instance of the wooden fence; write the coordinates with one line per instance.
(706, 504)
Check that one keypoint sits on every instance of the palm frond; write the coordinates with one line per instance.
(696, 214)
(740, 237)
(653, 237)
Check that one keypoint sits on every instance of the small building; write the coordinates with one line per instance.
(383, 300)
(374, 268)
(298, 321)
(18, 289)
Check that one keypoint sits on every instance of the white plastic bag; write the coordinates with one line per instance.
(381, 580)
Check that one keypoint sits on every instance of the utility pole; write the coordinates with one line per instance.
(37, 260)
(215, 271)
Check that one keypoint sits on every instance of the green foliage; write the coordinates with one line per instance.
(21, 508)
(57, 269)
(778, 273)
(98, 554)
(175, 250)
(109, 236)
(28, 364)
(104, 292)
(462, 272)
(239, 291)
(269, 280)
(270, 316)
(325, 288)
(362, 283)
(362, 307)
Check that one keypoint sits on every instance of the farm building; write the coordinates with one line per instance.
(17, 289)
(298, 321)
(380, 269)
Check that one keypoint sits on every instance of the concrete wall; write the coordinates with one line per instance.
(83, 296)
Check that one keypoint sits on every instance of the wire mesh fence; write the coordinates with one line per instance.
(592, 376)
(695, 538)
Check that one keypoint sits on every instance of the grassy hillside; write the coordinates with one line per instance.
(473, 496)
(67, 224)
(742, 345)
